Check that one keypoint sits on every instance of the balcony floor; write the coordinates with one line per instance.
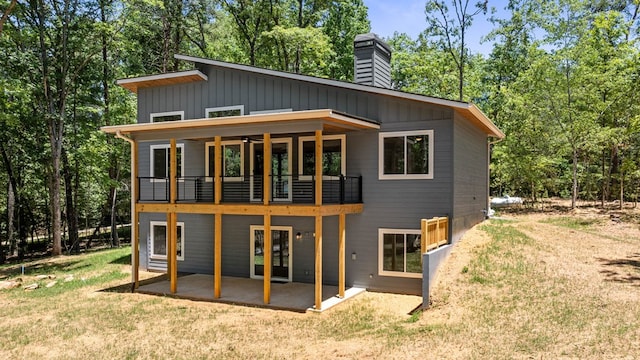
(243, 291)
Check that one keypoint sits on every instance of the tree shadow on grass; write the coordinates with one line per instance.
(626, 271)
(122, 260)
(45, 268)
(128, 287)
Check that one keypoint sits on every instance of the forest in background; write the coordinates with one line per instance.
(561, 81)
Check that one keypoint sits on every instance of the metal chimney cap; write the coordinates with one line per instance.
(363, 38)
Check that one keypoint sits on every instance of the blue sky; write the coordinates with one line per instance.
(388, 16)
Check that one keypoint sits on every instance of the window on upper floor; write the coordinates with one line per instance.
(405, 155)
(232, 160)
(167, 116)
(223, 111)
(158, 237)
(160, 160)
(333, 155)
(399, 253)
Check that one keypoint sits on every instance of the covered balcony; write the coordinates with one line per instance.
(270, 190)
(293, 189)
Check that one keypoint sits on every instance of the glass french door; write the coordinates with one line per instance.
(280, 170)
(281, 252)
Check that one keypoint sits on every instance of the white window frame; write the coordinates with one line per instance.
(167, 113)
(381, 271)
(224, 108)
(167, 148)
(273, 111)
(252, 251)
(383, 135)
(154, 256)
(209, 144)
(343, 155)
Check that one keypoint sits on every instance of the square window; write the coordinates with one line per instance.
(399, 253)
(333, 156)
(406, 155)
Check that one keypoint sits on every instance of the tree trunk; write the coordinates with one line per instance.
(574, 176)
(115, 240)
(604, 177)
(72, 216)
(621, 189)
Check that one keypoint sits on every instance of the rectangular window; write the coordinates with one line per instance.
(167, 116)
(333, 156)
(224, 111)
(399, 253)
(158, 236)
(406, 155)
(160, 160)
(232, 160)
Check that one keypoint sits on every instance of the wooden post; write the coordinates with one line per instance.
(318, 162)
(173, 172)
(217, 261)
(217, 177)
(446, 229)
(423, 236)
(267, 258)
(135, 217)
(266, 181)
(171, 219)
(318, 263)
(173, 255)
(266, 196)
(437, 230)
(341, 245)
(318, 201)
(169, 244)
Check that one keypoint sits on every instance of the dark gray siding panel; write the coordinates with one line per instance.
(471, 168)
(198, 253)
(398, 204)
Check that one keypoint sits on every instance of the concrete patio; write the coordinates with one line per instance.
(243, 291)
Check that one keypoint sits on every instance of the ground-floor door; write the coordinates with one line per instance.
(281, 252)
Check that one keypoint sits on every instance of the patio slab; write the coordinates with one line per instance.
(243, 291)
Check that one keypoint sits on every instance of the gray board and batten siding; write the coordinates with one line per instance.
(398, 204)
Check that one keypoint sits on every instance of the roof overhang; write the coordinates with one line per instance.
(478, 118)
(327, 120)
(182, 77)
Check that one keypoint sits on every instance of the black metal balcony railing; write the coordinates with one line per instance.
(153, 189)
(247, 189)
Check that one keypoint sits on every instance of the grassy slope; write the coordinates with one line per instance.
(516, 296)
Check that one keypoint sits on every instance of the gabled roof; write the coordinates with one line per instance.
(468, 110)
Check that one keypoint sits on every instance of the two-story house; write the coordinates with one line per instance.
(248, 172)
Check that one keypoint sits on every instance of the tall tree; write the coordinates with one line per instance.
(450, 30)
(344, 20)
